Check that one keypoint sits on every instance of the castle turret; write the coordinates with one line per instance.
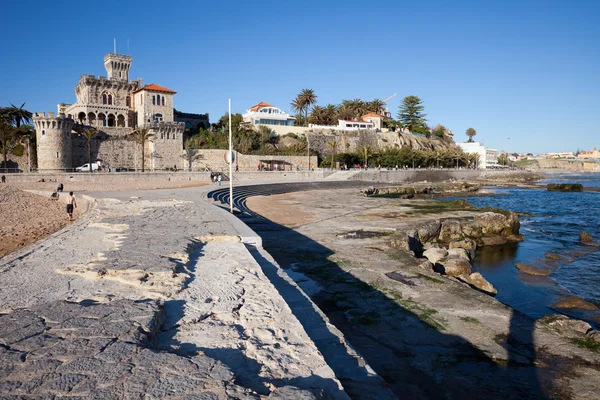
(53, 134)
(117, 66)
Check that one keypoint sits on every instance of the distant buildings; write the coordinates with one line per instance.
(589, 154)
(487, 157)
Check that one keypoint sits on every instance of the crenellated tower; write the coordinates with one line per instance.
(117, 66)
(54, 145)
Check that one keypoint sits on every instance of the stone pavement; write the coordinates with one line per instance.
(152, 295)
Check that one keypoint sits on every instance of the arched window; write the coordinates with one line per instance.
(110, 99)
(153, 100)
(158, 99)
(163, 100)
(104, 98)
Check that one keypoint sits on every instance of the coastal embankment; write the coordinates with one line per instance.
(417, 328)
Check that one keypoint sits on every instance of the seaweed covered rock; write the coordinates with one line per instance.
(564, 187)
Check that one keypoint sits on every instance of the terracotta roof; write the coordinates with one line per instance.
(352, 120)
(260, 105)
(372, 115)
(156, 88)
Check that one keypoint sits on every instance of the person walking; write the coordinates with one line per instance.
(3, 179)
(71, 204)
(219, 179)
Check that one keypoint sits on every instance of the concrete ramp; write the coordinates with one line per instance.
(343, 175)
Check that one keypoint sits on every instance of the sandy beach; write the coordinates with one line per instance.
(28, 217)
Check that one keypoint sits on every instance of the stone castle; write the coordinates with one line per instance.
(115, 106)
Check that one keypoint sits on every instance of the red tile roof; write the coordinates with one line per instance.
(260, 105)
(156, 88)
(372, 115)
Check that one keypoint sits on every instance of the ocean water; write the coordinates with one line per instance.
(552, 224)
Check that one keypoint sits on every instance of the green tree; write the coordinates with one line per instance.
(376, 106)
(142, 135)
(364, 152)
(308, 98)
(439, 131)
(89, 134)
(7, 136)
(470, 133)
(19, 115)
(410, 114)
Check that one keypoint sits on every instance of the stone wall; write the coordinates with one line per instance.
(215, 161)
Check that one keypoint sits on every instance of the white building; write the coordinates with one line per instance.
(487, 157)
(345, 125)
(267, 114)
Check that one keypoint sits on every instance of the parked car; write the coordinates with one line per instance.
(86, 168)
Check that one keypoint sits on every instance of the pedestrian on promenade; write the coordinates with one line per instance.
(219, 178)
(3, 179)
(71, 204)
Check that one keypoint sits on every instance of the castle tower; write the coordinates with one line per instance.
(53, 134)
(117, 66)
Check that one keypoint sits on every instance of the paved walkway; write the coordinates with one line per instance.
(153, 293)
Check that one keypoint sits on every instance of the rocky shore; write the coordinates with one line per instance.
(394, 275)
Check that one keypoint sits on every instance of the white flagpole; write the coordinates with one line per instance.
(230, 164)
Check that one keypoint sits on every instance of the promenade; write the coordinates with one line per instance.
(159, 294)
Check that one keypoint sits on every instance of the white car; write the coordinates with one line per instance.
(86, 168)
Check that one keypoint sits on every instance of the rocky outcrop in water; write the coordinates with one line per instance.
(449, 245)
(531, 270)
(586, 238)
(575, 302)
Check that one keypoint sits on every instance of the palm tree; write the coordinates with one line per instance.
(89, 133)
(470, 133)
(25, 133)
(345, 111)
(364, 153)
(307, 98)
(297, 105)
(19, 114)
(376, 106)
(7, 135)
(142, 135)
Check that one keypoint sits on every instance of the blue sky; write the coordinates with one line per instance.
(524, 70)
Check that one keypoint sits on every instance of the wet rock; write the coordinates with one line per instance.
(435, 254)
(515, 238)
(531, 270)
(575, 302)
(477, 281)
(553, 256)
(586, 238)
(566, 325)
(370, 191)
(493, 240)
(450, 230)
(458, 253)
(429, 231)
(453, 267)
(468, 244)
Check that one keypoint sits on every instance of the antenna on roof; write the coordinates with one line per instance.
(115, 47)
